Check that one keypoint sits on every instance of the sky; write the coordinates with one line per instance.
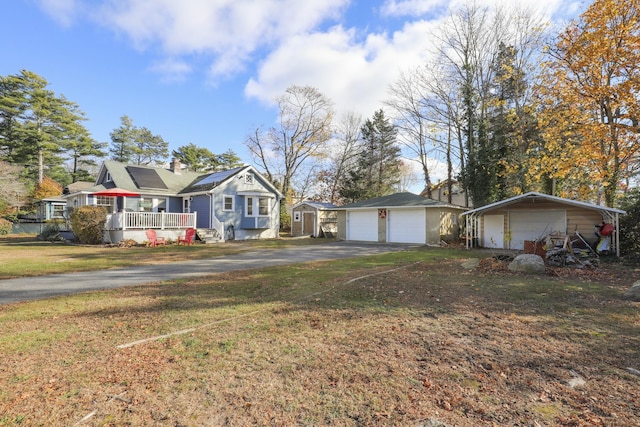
(207, 71)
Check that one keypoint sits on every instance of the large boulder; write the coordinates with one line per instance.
(633, 293)
(527, 263)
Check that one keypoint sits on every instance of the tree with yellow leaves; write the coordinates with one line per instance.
(590, 100)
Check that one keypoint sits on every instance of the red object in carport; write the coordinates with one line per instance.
(606, 229)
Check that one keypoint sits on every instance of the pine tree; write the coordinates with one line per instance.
(377, 169)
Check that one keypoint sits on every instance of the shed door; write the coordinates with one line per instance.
(308, 223)
(407, 226)
(362, 225)
(493, 231)
(533, 225)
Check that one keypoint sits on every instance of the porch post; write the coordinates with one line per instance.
(162, 217)
(617, 235)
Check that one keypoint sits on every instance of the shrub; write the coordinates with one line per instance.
(285, 219)
(87, 223)
(630, 226)
(51, 233)
(5, 226)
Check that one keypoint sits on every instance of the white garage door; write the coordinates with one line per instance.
(532, 225)
(407, 226)
(362, 225)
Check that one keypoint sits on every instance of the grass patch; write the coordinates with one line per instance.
(394, 339)
(26, 256)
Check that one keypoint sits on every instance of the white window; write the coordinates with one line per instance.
(228, 204)
(107, 201)
(296, 216)
(257, 206)
(248, 178)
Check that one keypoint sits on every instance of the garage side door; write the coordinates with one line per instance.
(532, 225)
(407, 226)
(362, 225)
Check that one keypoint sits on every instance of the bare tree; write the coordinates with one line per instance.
(304, 130)
(407, 101)
(341, 158)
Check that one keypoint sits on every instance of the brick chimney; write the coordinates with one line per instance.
(175, 166)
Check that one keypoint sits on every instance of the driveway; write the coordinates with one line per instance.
(31, 288)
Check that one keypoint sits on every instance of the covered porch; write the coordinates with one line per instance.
(132, 225)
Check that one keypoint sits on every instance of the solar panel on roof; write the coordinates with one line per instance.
(146, 178)
(216, 177)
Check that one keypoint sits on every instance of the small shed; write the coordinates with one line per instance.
(399, 218)
(51, 208)
(507, 224)
(315, 219)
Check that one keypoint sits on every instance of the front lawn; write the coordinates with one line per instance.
(402, 339)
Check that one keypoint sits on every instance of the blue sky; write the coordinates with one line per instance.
(207, 71)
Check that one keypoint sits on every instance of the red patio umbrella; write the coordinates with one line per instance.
(116, 192)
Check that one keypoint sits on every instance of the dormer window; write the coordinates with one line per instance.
(107, 177)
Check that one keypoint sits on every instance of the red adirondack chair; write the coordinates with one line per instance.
(154, 240)
(189, 236)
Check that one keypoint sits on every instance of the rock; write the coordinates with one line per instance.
(471, 264)
(633, 293)
(432, 422)
(633, 371)
(527, 263)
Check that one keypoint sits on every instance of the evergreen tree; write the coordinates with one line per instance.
(130, 144)
(197, 159)
(228, 160)
(122, 140)
(377, 169)
(36, 125)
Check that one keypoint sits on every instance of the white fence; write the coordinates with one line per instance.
(145, 220)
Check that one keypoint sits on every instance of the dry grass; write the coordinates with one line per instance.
(307, 345)
(25, 256)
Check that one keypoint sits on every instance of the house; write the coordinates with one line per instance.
(532, 216)
(315, 219)
(233, 204)
(440, 192)
(51, 208)
(399, 218)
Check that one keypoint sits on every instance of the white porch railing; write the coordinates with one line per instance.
(145, 220)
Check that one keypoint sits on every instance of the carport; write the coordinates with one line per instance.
(508, 223)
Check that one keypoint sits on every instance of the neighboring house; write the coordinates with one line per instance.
(51, 208)
(314, 219)
(532, 216)
(440, 192)
(234, 204)
(399, 218)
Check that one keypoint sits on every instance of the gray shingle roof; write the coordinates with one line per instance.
(405, 199)
(121, 178)
(318, 205)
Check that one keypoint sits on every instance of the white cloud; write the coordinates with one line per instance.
(63, 11)
(411, 7)
(354, 74)
(559, 9)
(231, 31)
(172, 69)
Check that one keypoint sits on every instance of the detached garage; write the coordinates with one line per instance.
(399, 218)
(531, 217)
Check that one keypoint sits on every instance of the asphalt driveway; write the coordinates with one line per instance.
(31, 288)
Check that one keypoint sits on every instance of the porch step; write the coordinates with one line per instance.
(209, 235)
